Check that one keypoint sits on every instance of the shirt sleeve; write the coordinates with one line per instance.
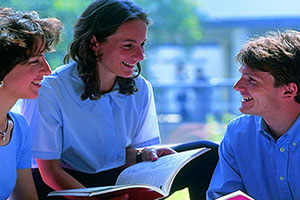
(226, 178)
(24, 154)
(43, 116)
(147, 131)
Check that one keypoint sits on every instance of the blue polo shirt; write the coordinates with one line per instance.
(15, 155)
(89, 136)
(252, 161)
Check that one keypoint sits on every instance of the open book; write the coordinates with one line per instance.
(145, 180)
(237, 195)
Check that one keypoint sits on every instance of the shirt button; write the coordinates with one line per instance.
(281, 178)
(294, 144)
(282, 149)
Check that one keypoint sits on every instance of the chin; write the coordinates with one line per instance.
(126, 75)
(32, 96)
(244, 111)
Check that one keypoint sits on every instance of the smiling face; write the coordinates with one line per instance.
(24, 80)
(122, 50)
(259, 96)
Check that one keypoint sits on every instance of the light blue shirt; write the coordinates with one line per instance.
(252, 161)
(15, 155)
(89, 136)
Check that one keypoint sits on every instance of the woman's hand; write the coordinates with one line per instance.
(151, 153)
(154, 153)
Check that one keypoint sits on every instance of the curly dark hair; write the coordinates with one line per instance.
(19, 35)
(277, 53)
(101, 19)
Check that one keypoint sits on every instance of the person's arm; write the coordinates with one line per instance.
(55, 176)
(58, 179)
(24, 188)
(226, 178)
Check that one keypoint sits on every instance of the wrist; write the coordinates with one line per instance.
(139, 155)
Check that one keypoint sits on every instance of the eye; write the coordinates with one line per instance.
(252, 80)
(127, 46)
(34, 61)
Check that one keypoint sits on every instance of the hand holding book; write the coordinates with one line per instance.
(145, 180)
(152, 154)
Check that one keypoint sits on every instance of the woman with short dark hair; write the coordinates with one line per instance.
(24, 39)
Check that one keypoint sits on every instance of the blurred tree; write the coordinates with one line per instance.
(174, 21)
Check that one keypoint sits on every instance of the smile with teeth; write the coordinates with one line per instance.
(127, 64)
(36, 82)
(247, 98)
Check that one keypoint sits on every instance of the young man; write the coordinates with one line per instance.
(260, 152)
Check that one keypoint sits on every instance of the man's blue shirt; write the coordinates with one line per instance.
(252, 161)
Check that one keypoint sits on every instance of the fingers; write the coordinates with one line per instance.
(150, 154)
(165, 151)
(153, 153)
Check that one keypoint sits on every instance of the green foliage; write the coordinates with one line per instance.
(174, 21)
(215, 130)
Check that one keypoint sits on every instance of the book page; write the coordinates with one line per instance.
(160, 173)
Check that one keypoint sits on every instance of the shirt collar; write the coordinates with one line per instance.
(263, 128)
(76, 86)
(293, 132)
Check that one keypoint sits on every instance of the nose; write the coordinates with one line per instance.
(45, 68)
(238, 86)
(139, 54)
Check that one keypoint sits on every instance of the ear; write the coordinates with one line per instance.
(94, 44)
(290, 90)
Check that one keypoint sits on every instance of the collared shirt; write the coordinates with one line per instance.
(250, 160)
(15, 155)
(89, 136)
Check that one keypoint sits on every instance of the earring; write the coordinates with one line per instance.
(1, 84)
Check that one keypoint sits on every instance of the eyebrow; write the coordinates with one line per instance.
(249, 74)
(134, 41)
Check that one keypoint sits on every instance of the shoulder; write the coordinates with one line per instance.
(143, 84)
(18, 119)
(242, 126)
(243, 120)
(20, 125)
(61, 73)
(64, 80)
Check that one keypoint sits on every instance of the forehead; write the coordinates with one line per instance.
(134, 29)
(249, 72)
(38, 47)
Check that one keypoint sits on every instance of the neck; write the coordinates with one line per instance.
(107, 79)
(6, 103)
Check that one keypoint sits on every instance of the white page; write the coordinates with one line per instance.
(160, 173)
